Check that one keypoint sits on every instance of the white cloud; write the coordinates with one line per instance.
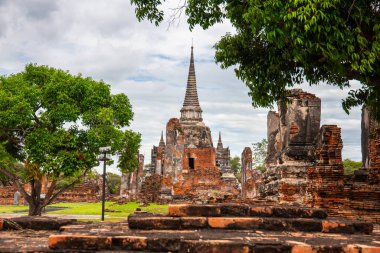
(103, 39)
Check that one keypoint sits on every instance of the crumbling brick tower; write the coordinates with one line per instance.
(304, 163)
(291, 136)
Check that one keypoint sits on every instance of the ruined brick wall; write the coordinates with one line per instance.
(150, 189)
(86, 193)
(354, 196)
(7, 195)
(175, 143)
(304, 166)
(326, 179)
(246, 163)
(203, 158)
(203, 184)
(157, 159)
(248, 189)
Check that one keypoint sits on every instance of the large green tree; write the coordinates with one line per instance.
(52, 124)
(280, 43)
(113, 183)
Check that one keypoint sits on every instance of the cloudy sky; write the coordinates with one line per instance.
(103, 39)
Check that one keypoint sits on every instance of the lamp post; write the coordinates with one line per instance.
(104, 157)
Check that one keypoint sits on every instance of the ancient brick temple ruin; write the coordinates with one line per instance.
(304, 163)
(87, 191)
(187, 165)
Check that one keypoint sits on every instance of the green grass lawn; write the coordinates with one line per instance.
(12, 209)
(122, 211)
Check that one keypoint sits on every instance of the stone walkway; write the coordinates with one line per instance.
(195, 240)
(199, 228)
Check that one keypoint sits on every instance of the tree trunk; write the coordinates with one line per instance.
(36, 205)
(35, 209)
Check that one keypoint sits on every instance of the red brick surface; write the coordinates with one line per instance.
(85, 242)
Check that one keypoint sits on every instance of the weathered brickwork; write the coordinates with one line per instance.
(202, 158)
(89, 191)
(304, 166)
(326, 179)
(354, 196)
(150, 189)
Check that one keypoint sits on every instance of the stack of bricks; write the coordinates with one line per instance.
(292, 184)
(362, 189)
(150, 189)
(326, 179)
(329, 147)
(356, 196)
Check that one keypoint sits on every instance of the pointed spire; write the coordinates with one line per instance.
(191, 110)
(220, 144)
(191, 97)
(162, 143)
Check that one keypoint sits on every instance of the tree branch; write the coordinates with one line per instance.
(48, 202)
(176, 14)
(15, 179)
(350, 9)
(50, 192)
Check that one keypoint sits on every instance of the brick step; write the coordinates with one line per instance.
(146, 222)
(178, 244)
(244, 210)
